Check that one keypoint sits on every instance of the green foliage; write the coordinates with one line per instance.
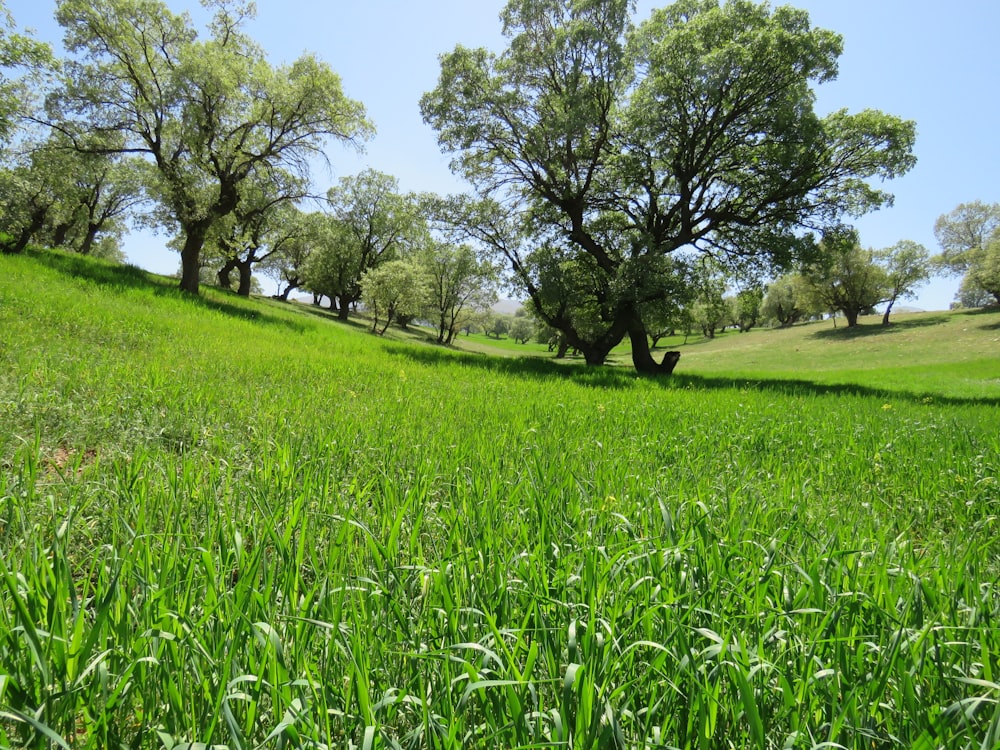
(854, 281)
(787, 300)
(459, 285)
(522, 329)
(963, 232)
(847, 279)
(745, 308)
(611, 147)
(969, 238)
(23, 63)
(449, 550)
(369, 223)
(907, 265)
(54, 196)
(498, 325)
(207, 114)
(393, 290)
(984, 271)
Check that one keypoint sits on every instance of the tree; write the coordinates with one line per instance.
(208, 115)
(370, 223)
(709, 307)
(522, 329)
(964, 232)
(745, 308)
(611, 147)
(458, 282)
(393, 289)
(984, 273)
(31, 189)
(970, 294)
(56, 196)
(787, 300)
(907, 266)
(264, 222)
(969, 237)
(848, 278)
(287, 267)
(498, 325)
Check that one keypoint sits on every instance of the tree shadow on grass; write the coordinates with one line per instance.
(867, 330)
(122, 277)
(805, 388)
(535, 368)
(96, 270)
(327, 314)
(990, 313)
(622, 378)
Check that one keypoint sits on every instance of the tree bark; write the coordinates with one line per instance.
(283, 295)
(888, 309)
(642, 358)
(59, 235)
(343, 308)
(36, 223)
(194, 240)
(246, 277)
(224, 275)
(89, 237)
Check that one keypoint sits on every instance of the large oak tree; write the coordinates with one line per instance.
(209, 114)
(617, 147)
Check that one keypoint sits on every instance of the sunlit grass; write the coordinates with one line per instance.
(240, 524)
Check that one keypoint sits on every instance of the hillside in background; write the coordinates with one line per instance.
(241, 523)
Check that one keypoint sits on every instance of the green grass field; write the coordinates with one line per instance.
(230, 523)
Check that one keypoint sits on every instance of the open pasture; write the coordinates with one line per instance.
(236, 524)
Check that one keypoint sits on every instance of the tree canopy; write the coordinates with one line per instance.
(369, 222)
(616, 152)
(208, 114)
(969, 237)
(23, 60)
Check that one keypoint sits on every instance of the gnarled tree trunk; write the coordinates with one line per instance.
(642, 358)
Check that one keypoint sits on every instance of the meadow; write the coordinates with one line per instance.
(231, 523)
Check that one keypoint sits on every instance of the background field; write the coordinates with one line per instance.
(240, 524)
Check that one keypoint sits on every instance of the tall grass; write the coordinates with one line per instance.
(226, 523)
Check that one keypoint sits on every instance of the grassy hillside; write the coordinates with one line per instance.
(920, 353)
(238, 523)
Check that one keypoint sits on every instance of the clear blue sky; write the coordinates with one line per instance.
(934, 63)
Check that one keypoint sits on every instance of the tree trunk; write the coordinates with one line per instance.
(194, 240)
(89, 237)
(563, 348)
(852, 317)
(888, 309)
(224, 275)
(246, 277)
(36, 223)
(642, 358)
(343, 308)
(443, 330)
(389, 314)
(59, 235)
(594, 355)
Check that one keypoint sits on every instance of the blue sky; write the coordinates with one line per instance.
(934, 63)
